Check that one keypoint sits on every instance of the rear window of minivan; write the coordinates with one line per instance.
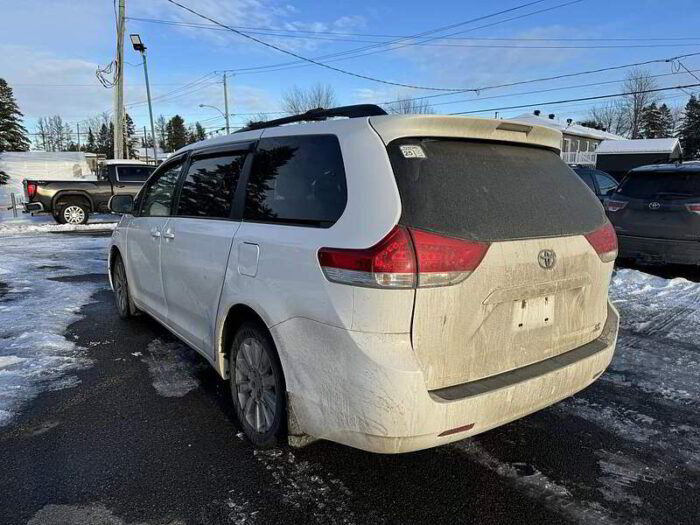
(490, 191)
(661, 185)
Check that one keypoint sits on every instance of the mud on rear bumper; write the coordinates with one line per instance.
(400, 415)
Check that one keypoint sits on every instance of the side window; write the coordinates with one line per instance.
(210, 184)
(297, 180)
(133, 173)
(585, 176)
(605, 183)
(158, 196)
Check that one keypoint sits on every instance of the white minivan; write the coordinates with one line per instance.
(391, 283)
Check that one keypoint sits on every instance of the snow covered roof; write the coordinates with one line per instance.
(112, 162)
(564, 127)
(638, 146)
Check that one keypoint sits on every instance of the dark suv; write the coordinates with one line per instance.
(656, 213)
(600, 182)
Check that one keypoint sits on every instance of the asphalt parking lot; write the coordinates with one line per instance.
(142, 431)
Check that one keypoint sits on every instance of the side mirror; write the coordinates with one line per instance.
(121, 204)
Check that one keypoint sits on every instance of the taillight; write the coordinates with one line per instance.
(391, 263)
(405, 258)
(31, 190)
(695, 207)
(445, 260)
(611, 205)
(604, 242)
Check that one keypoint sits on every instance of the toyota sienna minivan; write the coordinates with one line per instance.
(391, 283)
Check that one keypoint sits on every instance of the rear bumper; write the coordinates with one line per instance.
(659, 251)
(33, 207)
(367, 391)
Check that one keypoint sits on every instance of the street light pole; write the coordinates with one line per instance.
(139, 46)
(228, 129)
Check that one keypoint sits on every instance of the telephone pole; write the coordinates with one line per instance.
(78, 124)
(228, 129)
(119, 92)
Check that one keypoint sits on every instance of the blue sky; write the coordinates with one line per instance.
(49, 52)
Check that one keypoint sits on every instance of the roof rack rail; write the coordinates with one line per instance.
(355, 111)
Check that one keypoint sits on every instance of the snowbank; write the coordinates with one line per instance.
(22, 228)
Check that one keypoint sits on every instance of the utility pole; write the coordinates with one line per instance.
(145, 143)
(228, 129)
(78, 124)
(119, 92)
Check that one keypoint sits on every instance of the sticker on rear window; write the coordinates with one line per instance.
(412, 152)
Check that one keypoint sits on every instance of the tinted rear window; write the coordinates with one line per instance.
(297, 180)
(490, 191)
(134, 173)
(661, 185)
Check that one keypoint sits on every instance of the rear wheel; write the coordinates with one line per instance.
(122, 298)
(73, 212)
(257, 386)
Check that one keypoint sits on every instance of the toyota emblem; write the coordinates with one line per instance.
(654, 205)
(547, 259)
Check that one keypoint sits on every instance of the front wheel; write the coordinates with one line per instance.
(73, 213)
(122, 298)
(257, 386)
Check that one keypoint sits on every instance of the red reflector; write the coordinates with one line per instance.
(31, 190)
(604, 242)
(436, 253)
(695, 208)
(463, 428)
(612, 205)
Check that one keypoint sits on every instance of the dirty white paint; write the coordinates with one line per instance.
(173, 367)
(35, 311)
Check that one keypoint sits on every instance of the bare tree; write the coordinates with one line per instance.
(410, 106)
(298, 100)
(611, 116)
(637, 84)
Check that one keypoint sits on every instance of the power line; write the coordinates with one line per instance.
(271, 31)
(333, 68)
(599, 97)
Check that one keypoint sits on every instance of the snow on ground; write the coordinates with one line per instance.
(173, 367)
(26, 223)
(36, 307)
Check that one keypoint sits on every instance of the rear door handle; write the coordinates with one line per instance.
(169, 234)
(155, 232)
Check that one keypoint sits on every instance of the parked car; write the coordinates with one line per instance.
(602, 184)
(656, 213)
(72, 201)
(391, 283)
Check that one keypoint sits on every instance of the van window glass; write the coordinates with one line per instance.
(586, 177)
(158, 197)
(661, 185)
(134, 173)
(209, 186)
(297, 180)
(490, 191)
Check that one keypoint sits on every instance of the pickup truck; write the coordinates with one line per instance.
(72, 201)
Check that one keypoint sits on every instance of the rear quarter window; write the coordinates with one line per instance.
(297, 180)
(490, 191)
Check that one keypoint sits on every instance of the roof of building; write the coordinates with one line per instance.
(111, 162)
(638, 146)
(564, 127)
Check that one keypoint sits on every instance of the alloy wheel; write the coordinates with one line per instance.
(255, 385)
(74, 214)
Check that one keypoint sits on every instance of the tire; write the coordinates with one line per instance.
(122, 297)
(257, 381)
(73, 212)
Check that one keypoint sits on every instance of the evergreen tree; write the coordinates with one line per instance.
(105, 141)
(91, 145)
(4, 177)
(689, 132)
(651, 122)
(13, 135)
(176, 133)
(666, 121)
(129, 140)
(196, 133)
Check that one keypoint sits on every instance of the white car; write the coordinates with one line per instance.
(391, 283)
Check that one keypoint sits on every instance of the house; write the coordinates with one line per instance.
(579, 143)
(617, 157)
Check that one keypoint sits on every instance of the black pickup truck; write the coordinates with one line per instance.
(72, 201)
